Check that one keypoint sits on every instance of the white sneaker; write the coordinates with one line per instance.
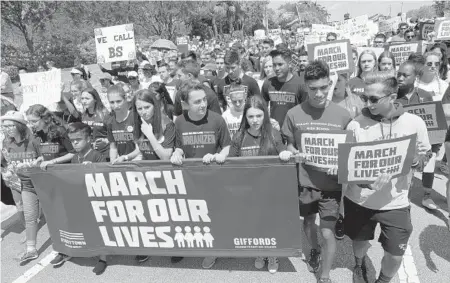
(273, 265)
(208, 262)
(429, 203)
(260, 263)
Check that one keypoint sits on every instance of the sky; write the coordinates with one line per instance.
(337, 9)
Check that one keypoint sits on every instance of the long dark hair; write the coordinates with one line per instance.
(386, 54)
(443, 69)
(267, 144)
(24, 132)
(166, 100)
(149, 96)
(99, 108)
(55, 124)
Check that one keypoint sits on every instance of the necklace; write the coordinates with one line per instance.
(84, 156)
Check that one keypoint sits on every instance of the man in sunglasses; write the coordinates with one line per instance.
(319, 191)
(400, 37)
(410, 35)
(379, 40)
(384, 202)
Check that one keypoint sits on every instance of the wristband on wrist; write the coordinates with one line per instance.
(126, 157)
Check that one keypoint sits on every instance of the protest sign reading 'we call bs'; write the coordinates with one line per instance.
(337, 54)
(368, 160)
(115, 43)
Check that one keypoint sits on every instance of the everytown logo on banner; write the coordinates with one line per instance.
(115, 43)
(193, 213)
(321, 148)
(401, 51)
(366, 161)
(337, 54)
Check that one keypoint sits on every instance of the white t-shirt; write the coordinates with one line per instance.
(233, 121)
(436, 86)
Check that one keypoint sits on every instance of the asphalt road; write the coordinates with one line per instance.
(428, 259)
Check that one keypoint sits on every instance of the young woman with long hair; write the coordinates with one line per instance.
(257, 137)
(120, 127)
(95, 115)
(19, 152)
(367, 63)
(386, 61)
(55, 146)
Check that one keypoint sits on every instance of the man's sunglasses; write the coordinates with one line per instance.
(372, 99)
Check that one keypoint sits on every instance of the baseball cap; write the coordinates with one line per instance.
(14, 116)
(76, 71)
(145, 65)
(132, 74)
(106, 76)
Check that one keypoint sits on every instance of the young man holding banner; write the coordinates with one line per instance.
(384, 202)
(307, 130)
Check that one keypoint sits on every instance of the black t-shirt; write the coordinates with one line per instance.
(92, 156)
(446, 97)
(97, 122)
(51, 149)
(251, 83)
(211, 99)
(122, 134)
(356, 86)
(167, 141)
(198, 138)
(283, 96)
(250, 145)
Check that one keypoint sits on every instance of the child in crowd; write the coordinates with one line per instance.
(80, 136)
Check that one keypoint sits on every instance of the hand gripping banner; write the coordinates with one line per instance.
(247, 207)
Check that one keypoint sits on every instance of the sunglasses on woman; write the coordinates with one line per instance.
(436, 64)
(372, 99)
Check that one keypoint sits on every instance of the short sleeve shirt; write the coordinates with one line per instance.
(121, 133)
(167, 141)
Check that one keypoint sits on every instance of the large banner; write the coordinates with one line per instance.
(366, 161)
(337, 54)
(401, 51)
(442, 29)
(321, 147)
(433, 115)
(246, 207)
(41, 88)
(115, 43)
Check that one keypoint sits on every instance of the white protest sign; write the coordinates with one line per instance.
(357, 26)
(337, 54)
(115, 43)
(402, 51)
(41, 88)
(389, 25)
(260, 33)
(321, 149)
(442, 29)
(182, 40)
(323, 30)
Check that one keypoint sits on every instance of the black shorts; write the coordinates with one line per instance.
(325, 203)
(396, 228)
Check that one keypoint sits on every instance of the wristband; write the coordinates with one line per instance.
(126, 157)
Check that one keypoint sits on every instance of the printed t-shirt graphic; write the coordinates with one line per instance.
(166, 141)
(251, 83)
(122, 134)
(51, 149)
(198, 138)
(356, 85)
(304, 117)
(97, 124)
(233, 121)
(251, 144)
(282, 96)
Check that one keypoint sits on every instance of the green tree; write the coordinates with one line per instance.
(441, 7)
(307, 12)
(426, 12)
(28, 17)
